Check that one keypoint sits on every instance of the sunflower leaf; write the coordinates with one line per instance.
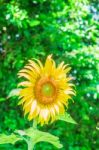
(14, 92)
(8, 138)
(39, 136)
(66, 117)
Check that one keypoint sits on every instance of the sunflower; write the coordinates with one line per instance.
(46, 89)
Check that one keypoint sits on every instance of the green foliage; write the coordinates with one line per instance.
(39, 136)
(31, 136)
(14, 92)
(66, 117)
(69, 30)
(8, 138)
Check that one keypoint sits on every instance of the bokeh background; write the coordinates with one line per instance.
(69, 30)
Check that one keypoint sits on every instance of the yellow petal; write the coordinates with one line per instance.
(48, 65)
(27, 76)
(56, 108)
(35, 66)
(25, 83)
(69, 91)
(39, 62)
(60, 65)
(61, 107)
(28, 103)
(52, 113)
(44, 113)
(67, 69)
(33, 106)
(33, 115)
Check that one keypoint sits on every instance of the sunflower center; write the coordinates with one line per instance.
(46, 90)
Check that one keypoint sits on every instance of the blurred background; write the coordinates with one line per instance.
(69, 30)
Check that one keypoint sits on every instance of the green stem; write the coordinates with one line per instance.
(30, 142)
(35, 124)
(30, 145)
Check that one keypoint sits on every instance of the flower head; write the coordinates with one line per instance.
(46, 90)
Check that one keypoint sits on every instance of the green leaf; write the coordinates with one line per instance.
(39, 136)
(8, 138)
(33, 23)
(2, 99)
(66, 117)
(14, 92)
